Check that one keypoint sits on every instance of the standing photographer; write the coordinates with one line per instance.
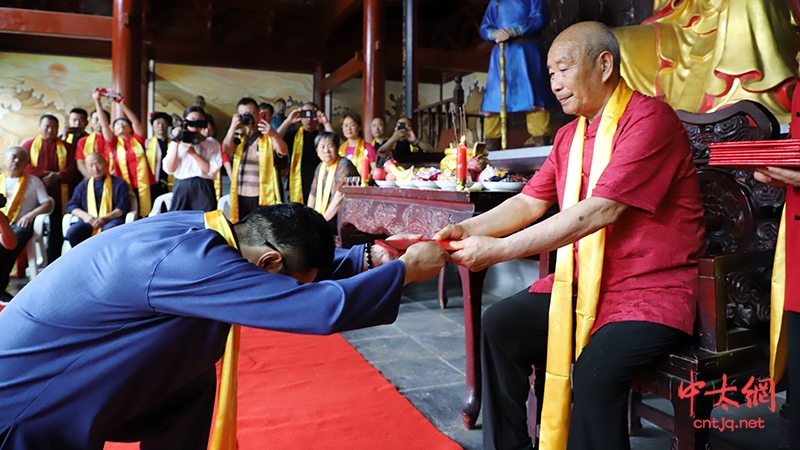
(194, 162)
(403, 142)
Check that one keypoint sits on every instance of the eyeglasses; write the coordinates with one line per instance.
(285, 266)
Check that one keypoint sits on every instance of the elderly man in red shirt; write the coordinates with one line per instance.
(53, 161)
(623, 176)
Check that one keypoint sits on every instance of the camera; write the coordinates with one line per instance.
(2, 201)
(401, 125)
(308, 114)
(247, 119)
(190, 137)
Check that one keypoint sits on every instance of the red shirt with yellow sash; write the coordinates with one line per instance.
(48, 162)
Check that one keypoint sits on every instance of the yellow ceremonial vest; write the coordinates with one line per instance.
(152, 160)
(557, 396)
(325, 182)
(359, 153)
(105, 200)
(61, 151)
(223, 434)
(142, 172)
(269, 190)
(14, 202)
(295, 173)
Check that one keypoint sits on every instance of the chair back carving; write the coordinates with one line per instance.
(742, 215)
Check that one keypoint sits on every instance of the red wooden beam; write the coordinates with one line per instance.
(442, 61)
(13, 20)
(345, 72)
(338, 12)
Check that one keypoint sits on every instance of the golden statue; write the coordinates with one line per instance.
(710, 53)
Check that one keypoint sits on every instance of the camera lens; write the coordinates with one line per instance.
(247, 119)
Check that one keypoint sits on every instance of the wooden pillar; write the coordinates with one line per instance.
(373, 77)
(410, 79)
(319, 95)
(126, 54)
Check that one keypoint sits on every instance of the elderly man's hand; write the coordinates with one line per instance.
(423, 261)
(477, 252)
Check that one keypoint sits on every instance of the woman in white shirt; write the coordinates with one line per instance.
(194, 166)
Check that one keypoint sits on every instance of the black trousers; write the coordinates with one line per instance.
(9, 257)
(793, 372)
(55, 238)
(182, 421)
(514, 338)
(193, 194)
(247, 205)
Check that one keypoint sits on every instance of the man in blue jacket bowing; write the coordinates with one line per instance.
(117, 340)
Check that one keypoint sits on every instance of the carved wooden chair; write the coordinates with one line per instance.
(732, 330)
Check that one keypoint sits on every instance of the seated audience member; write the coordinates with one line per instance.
(76, 129)
(279, 113)
(26, 198)
(128, 351)
(403, 142)
(303, 159)
(93, 142)
(255, 182)
(638, 215)
(331, 173)
(194, 166)
(157, 150)
(53, 161)
(125, 144)
(355, 149)
(100, 202)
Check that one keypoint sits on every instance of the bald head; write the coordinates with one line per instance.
(591, 39)
(96, 165)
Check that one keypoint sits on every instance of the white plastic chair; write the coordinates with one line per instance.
(224, 205)
(162, 201)
(69, 219)
(36, 250)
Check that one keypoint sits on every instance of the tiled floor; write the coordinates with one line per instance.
(422, 354)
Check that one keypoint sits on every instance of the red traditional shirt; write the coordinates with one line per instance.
(99, 146)
(48, 161)
(130, 157)
(651, 251)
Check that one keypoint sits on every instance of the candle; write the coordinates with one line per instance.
(365, 171)
(461, 165)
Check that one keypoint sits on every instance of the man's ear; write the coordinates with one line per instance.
(271, 259)
(607, 65)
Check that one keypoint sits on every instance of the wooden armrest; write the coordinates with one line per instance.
(712, 321)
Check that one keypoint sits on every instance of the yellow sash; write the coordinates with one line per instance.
(69, 138)
(557, 396)
(777, 327)
(269, 191)
(88, 147)
(359, 153)
(11, 210)
(223, 434)
(61, 152)
(142, 172)
(295, 175)
(105, 200)
(152, 160)
(323, 194)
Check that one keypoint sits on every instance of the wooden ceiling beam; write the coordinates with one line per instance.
(338, 11)
(441, 61)
(28, 21)
(346, 71)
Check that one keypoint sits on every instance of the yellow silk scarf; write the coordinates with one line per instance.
(105, 200)
(777, 327)
(223, 434)
(61, 152)
(557, 396)
(152, 160)
(142, 172)
(269, 191)
(295, 175)
(11, 210)
(359, 153)
(323, 195)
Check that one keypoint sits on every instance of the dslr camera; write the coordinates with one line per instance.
(247, 118)
(190, 137)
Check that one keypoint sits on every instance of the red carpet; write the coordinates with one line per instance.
(318, 392)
